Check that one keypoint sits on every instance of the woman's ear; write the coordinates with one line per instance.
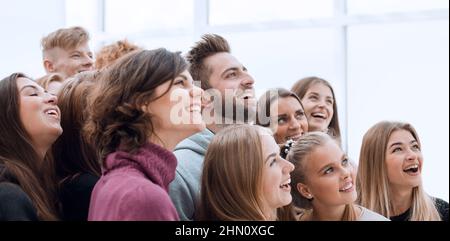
(144, 108)
(304, 191)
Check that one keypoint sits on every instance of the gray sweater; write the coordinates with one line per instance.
(185, 188)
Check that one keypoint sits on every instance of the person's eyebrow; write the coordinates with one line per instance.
(183, 76)
(271, 155)
(28, 86)
(395, 144)
(229, 69)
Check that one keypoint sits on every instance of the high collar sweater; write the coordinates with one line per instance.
(134, 186)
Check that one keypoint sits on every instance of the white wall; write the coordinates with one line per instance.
(397, 67)
(400, 72)
(23, 23)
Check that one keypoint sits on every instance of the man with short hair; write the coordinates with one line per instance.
(66, 51)
(221, 74)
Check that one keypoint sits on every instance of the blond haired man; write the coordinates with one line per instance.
(66, 51)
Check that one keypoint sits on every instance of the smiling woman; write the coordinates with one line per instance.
(244, 178)
(318, 98)
(30, 123)
(324, 181)
(389, 175)
(130, 125)
(283, 112)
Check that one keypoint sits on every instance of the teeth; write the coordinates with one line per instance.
(347, 186)
(318, 115)
(286, 184)
(51, 112)
(415, 166)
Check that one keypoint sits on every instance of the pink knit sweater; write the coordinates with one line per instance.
(135, 186)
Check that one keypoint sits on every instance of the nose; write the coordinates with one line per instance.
(51, 99)
(346, 171)
(322, 103)
(288, 167)
(247, 81)
(88, 62)
(294, 124)
(411, 155)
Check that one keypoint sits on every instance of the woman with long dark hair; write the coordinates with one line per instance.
(29, 124)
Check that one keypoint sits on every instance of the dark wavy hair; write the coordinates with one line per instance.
(19, 162)
(117, 120)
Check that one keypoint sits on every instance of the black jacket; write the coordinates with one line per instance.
(15, 205)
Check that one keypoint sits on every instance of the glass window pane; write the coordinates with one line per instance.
(389, 6)
(133, 16)
(254, 11)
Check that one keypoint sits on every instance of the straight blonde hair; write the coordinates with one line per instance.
(300, 154)
(65, 38)
(231, 184)
(372, 182)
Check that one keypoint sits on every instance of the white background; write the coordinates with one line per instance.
(387, 59)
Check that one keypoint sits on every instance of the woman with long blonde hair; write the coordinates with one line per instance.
(244, 178)
(389, 175)
(323, 181)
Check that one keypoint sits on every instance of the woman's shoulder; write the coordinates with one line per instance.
(442, 207)
(15, 204)
(11, 191)
(369, 215)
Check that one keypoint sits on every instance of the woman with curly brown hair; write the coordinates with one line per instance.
(142, 107)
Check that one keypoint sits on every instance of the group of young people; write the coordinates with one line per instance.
(131, 137)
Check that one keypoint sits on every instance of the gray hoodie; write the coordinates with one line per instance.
(185, 188)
